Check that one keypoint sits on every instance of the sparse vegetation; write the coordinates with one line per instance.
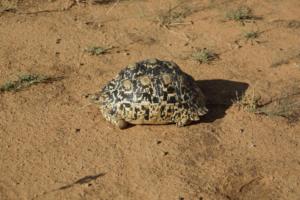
(175, 15)
(25, 81)
(246, 36)
(98, 1)
(287, 107)
(279, 63)
(292, 24)
(286, 59)
(248, 102)
(240, 14)
(204, 55)
(103, 1)
(8, 5)
(55, 140)
(250, 35)
(98, 50)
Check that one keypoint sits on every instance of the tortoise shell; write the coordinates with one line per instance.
(151, 91)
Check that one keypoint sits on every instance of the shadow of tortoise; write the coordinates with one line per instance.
(220, 95)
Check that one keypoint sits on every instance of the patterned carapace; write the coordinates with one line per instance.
(151, 92)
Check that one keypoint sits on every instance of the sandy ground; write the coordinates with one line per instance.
(55, 145)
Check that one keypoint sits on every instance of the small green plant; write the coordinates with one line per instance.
(204, 56)
(240, 14)
(97, 50)
(25, 81)
(174, 16)
(8, 5)
(250, 35)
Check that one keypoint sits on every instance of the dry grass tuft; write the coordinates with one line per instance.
(98, 50)
(241, 14)
(287, 107)
(248, 102)
(175, 15)
(26, 81)
(204, 55)
(8, 5)
(250, 35)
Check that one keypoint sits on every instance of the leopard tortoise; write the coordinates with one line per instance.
(151, 91)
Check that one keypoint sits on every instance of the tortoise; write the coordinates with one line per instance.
(151, 91)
